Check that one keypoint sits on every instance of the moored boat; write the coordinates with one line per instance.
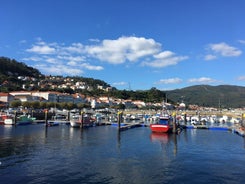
(81, 121)
(9, 121)
(52, 123)
(6, 119)
(75, 123)
(24, 120)
(163, 125)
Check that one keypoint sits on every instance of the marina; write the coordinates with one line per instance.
(102, 154)
(122, 92)
(161, 123)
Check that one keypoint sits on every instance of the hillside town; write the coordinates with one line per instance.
(55, 84)
(57, 97)
(52, 82)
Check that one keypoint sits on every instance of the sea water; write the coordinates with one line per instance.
(62, 154)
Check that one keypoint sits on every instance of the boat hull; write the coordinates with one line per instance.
(160, 128)
(9, 121)
(6, 118)
(23, 122)
(53, 123)
(75, 124)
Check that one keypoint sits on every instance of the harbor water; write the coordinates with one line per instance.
(62, 154)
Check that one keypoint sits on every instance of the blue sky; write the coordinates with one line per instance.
(130, 44)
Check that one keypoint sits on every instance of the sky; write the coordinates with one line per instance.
(129, 44)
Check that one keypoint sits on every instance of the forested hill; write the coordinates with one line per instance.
(10, 67)
(227, 96)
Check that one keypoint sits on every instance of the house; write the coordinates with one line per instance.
(6, 98)
(50, 96)
(78, 98)
(23, 96)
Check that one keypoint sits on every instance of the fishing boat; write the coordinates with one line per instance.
(163, 125)
(81, 121)
(24, 120)
(6, 119)
(9, 121)
(76, 121)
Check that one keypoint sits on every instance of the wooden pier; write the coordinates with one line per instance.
(131, 125)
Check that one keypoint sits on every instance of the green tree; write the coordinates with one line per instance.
(50, 104)
(70, 105)
(26, 104)
(35, 104)
(121, 106)
(15, 103)
(43, 105)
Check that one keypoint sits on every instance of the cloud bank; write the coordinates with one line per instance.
(76, 58)
(222, 49)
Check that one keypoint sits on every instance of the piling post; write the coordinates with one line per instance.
(119, 119)
(68, 115)
(174, 122)
(199, 117)
(185, 120)
(82, 114)
(243, 120)
(46, 117)
(15, 117)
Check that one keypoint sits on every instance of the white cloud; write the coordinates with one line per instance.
(241, 41)
(201, 80)
(74, 48)
(117, 51)
(210, 57)
(32, 58)
(123, 49)
(241, 78)
(51, 60)
(41, 49)
(224, 49)
(91, 67)
(120, 83)
(72, 63)
(94, 40)
(170, 81)
(72, 58)
(165, 58)
(60, 69)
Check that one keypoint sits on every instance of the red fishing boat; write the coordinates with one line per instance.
(163, 126)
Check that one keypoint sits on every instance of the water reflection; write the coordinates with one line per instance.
(167, 141)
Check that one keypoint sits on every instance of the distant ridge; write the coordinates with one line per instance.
(225, 96)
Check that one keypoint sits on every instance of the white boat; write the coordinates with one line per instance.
(78, 121)
(194, 120)
(9, 121)
(75, 123)
(9, 118)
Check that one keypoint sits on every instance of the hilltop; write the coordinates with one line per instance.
(12, 68)
(224, 96)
